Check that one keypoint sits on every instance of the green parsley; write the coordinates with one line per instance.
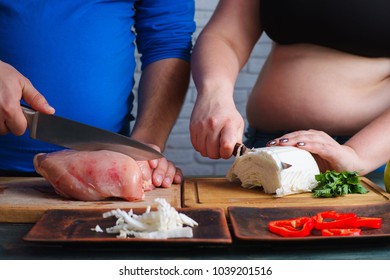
(333, 184)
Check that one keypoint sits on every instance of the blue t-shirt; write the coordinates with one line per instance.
(80, 55)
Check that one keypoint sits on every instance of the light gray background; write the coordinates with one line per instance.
(179, 148)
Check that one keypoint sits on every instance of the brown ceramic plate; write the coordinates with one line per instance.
(70, 226)
(251, 223)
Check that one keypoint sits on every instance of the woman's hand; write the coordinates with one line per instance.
(216, 126)
(13, 88)
(329, 154)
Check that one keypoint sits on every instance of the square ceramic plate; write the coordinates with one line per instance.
(251, 223)
(71, 226)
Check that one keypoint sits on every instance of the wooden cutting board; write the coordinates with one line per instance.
(24, 200)
(219, 192)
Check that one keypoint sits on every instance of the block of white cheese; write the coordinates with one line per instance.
(263, 167)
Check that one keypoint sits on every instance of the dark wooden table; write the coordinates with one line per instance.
(12, 247)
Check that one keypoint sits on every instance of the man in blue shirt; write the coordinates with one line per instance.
(79, 57)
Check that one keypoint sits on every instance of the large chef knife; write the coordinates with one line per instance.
(74, 135)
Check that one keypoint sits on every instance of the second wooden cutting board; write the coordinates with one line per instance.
(24, 200)
(219, 192)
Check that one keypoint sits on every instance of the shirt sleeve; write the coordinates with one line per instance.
(164, 29)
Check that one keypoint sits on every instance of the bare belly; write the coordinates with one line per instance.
(310, 87)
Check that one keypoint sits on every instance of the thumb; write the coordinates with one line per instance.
(228, 139)
(35, 99)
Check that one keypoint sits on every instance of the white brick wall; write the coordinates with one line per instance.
(179, 148)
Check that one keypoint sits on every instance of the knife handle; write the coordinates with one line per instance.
(29, 114)
(239, 149)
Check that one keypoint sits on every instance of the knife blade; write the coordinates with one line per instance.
(241, 149)
(78, 136)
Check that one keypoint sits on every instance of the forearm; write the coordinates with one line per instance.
(216, 125)
(161, 94)
(215, 66)
(371, 144)
(225, 45)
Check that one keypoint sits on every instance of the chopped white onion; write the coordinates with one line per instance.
(97, 228)
(164, 223)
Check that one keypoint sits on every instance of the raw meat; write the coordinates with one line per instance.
(96, 175)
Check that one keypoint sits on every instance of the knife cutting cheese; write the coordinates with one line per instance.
(278, 170)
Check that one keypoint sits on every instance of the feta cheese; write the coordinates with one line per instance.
(263, 167)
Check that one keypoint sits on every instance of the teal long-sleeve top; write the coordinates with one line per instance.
(80, 55)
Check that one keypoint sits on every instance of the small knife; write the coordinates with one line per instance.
(241, 149)
(74, 135)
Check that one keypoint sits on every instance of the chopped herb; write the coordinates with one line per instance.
(332, 184)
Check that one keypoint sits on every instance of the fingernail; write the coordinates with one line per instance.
(168, 181)
(49, 108)
(272, 142)
(301, 144)
(283, 140)
(159, 180)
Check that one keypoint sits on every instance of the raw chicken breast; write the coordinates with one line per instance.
(96, 175)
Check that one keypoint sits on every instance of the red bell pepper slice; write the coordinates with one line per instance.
(332, 219)
(341, 232)
(298, 227)
(368, 222)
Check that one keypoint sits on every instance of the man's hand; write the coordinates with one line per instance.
(164, 172)
(13, 88)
